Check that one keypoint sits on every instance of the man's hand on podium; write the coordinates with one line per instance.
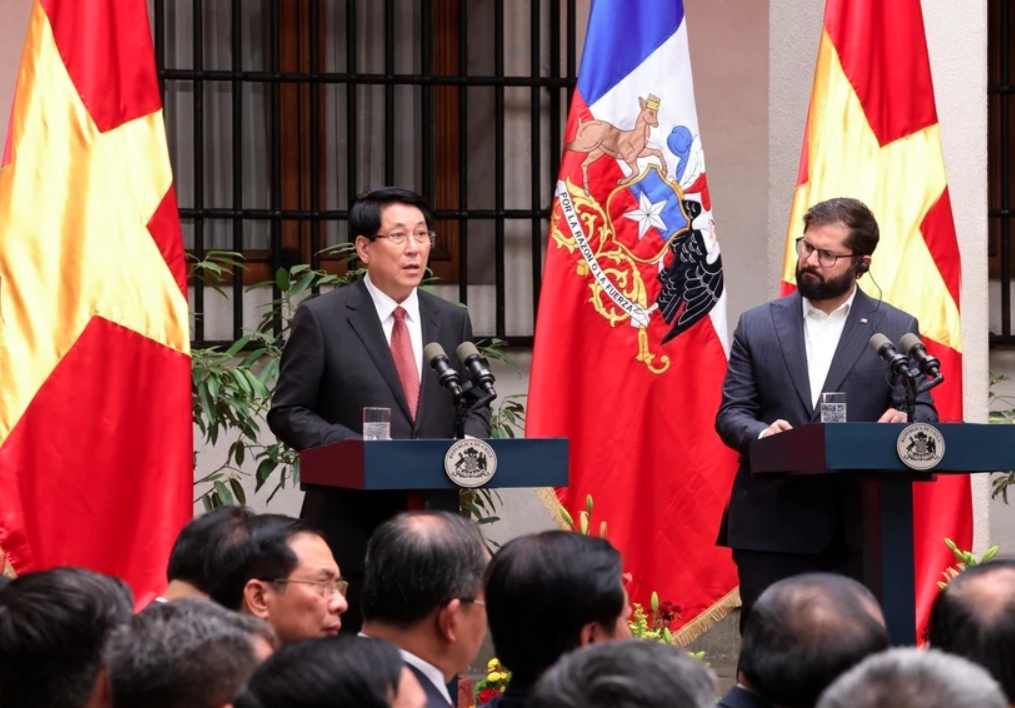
(892, 415)
(778, 426)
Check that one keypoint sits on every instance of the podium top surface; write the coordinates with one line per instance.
(420, 464)
(820, 448)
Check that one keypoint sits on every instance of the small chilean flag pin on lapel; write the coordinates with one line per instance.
(863, 320)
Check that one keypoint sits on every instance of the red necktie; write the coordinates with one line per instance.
(405, 360)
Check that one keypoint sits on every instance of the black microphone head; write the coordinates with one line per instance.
(878, 342)
(433, 351)
(909, 340)
(466, 350)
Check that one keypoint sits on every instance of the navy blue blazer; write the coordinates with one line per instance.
(434, 698)
(766, 380)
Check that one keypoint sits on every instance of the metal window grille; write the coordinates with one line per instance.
(304, 58)
(1001, 160)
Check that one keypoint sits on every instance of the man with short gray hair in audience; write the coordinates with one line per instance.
(626, 674)
(187, 653)
(911, 678)
(423, 591)
(802, 634)
(974, 617)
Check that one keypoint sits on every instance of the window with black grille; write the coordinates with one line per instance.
(1001, 158)
(279, 112)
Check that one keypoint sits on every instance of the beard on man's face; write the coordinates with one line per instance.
(816, 287)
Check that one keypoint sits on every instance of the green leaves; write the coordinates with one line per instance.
(966, 560)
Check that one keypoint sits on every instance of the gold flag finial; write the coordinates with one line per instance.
(652, 102)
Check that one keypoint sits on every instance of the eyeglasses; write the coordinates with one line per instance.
(471, 601)
(826, 259)
(419, 237)
(326, 588)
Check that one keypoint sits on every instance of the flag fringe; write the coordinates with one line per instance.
(5, 565)
(549, 498)
(690, 631)
(707, 619)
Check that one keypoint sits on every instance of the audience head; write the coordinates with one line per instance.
(626, 674)
(804, 632)
(4, 581)
(551, 592)
(423, 587)
(911, 678)
(195, 553)
(279, 569)
(974, 617)
(54, 625)
(345, 672)
(185, 654)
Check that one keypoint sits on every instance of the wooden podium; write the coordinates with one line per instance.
(869, 451)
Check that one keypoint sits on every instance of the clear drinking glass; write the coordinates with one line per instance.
(833, 407)
(377, 424)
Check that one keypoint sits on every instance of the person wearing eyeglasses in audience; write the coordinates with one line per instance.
(784, 355)
(362, 346)
(281, 570)
(424, 593)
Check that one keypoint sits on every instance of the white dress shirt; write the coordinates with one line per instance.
(821, 338)
(385, 307)
(426, 668)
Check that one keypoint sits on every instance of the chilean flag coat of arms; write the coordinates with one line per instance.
(631, 336)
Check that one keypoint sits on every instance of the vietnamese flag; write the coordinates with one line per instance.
(872, 133)
(96, 441)
(631, 339)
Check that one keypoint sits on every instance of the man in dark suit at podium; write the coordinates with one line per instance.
(362, 346)
(785, 353)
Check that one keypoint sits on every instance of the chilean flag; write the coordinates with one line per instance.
(631, 337)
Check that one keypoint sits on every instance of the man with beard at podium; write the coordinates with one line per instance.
(362, 346)
(784, 355)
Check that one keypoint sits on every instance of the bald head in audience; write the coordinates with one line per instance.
(803, 633)
(911, 678)
(974, 617)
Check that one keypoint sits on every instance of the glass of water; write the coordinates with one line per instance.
(833, 407)
(377, 424)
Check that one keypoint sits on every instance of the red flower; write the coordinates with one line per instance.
(486, 695)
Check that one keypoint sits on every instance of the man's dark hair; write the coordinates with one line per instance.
(806, 631)
(54, 625)
(417, 562)
(194, 554)
(622, 674)
(259, 550)
(974, 617)
(914, 678)
(853, 214)
(334, 672)
(365, 215)
(183, 654)
(542, 589)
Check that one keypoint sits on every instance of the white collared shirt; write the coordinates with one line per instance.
(821, 338)
(385, 307)
(434, 674)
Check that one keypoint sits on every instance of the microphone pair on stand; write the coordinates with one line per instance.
(481, 384)
(479, 390)
(909, 364)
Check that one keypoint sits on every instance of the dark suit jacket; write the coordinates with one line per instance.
(767, 379)
(434, 699)
(336, 362)
(742, 698)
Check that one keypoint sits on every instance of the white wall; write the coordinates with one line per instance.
(957, 43)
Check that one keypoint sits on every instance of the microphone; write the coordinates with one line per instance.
(914, 348)
(481, 376)
(883, 347)
(446, 374)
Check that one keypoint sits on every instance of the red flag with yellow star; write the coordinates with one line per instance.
(872, 133)
(96, 442)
